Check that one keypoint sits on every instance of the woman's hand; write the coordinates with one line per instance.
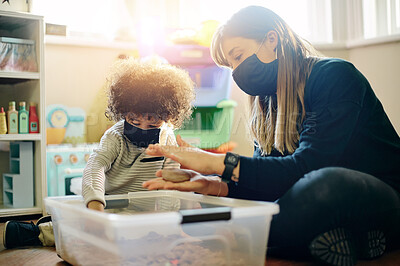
(190, 157)
(208, 185)
(96, 205)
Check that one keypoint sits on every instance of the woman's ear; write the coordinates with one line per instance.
(272, 38)
(268, 53)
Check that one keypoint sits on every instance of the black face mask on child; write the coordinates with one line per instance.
(141, 137)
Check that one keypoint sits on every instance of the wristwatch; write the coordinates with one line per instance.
(231, 161)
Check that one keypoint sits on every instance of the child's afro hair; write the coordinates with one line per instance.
(156, 89)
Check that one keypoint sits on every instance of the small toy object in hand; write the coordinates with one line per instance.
(175, 175)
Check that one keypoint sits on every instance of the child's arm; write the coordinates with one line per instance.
(100, 161)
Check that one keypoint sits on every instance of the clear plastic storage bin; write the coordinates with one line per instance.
(162, 228)
(17, 55)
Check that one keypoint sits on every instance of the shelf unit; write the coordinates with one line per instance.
(28, 87)
(18, 184)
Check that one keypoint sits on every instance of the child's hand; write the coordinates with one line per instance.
(96, 205)
(181, 142)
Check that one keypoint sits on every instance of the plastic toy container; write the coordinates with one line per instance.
(213, 84)
(17, 55)
(210, 126)
(162, 228)
(184, 54)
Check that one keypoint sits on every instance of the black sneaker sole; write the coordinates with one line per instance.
(335, 247)
(44, 219)
(4, 234)
(372, 244)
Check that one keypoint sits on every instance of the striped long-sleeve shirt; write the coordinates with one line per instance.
(115, 167)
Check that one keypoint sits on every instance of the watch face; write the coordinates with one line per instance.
(231, 159)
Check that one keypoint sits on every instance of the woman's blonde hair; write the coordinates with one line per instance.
(159, 90)
(274, 123)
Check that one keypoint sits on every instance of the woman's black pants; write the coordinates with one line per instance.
(332, 198)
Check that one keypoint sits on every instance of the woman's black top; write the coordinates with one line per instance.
(345, 126)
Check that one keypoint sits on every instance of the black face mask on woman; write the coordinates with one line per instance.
(141, 137)
(255, 77)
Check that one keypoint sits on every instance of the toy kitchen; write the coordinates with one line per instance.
(66, 152)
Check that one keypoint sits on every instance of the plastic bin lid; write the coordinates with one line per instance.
(16, 40)
(190, 206)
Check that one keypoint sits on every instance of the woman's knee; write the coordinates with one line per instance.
(342, 181)
(330, 183)
(351, 194)
(336, 188)
(334, 176)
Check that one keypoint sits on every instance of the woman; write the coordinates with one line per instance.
(325, 150)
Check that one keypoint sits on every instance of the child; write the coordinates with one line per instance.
(147, 101)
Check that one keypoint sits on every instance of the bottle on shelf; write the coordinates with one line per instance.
(33, 119)
(12, 118)
(23, 119)
(3, 123)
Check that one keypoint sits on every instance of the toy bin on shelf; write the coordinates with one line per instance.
(17, 55)
(185, 54)
(162, 228)
(18, 186)
(210, 126)
(212, 84)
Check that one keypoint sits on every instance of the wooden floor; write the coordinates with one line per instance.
(33, 256)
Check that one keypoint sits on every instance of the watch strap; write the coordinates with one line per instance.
(227, 174)
(231, 161)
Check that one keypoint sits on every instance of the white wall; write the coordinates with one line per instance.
(75, 76)
(381, 65)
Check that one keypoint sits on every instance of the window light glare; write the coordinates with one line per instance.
(397, 10)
